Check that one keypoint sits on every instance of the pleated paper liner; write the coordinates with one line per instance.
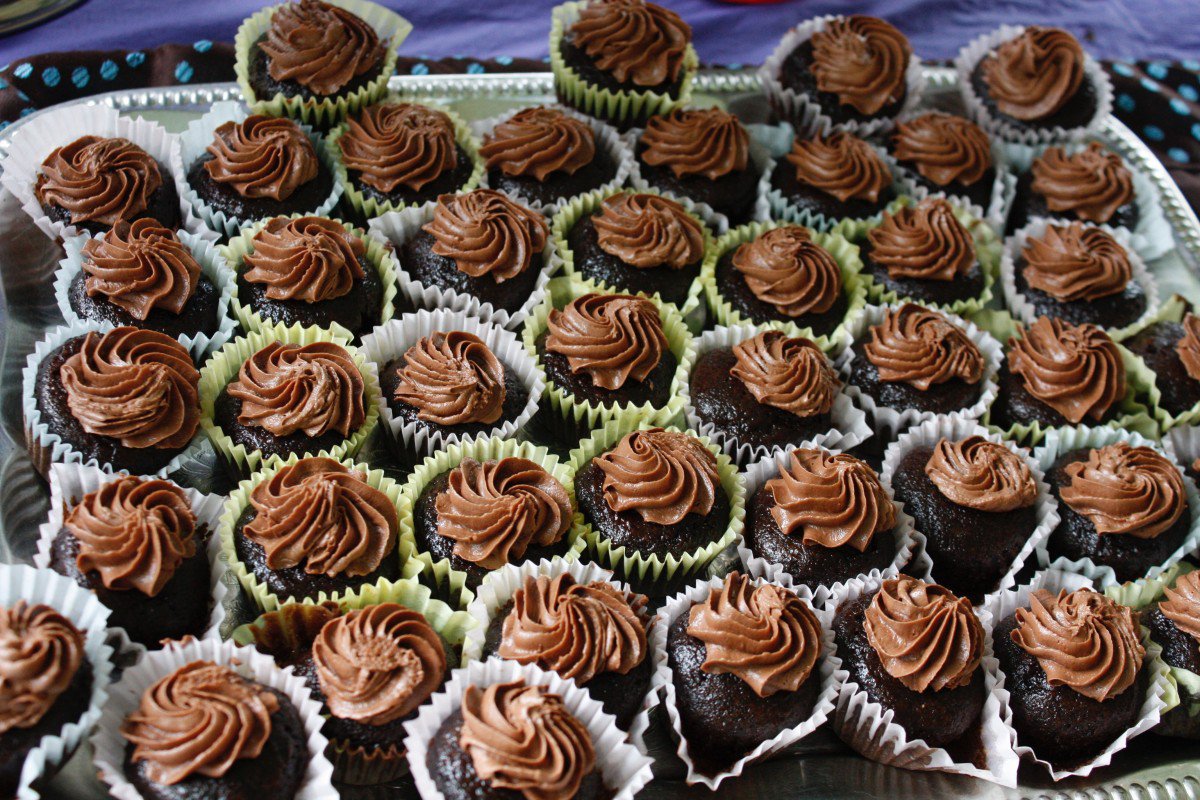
(1171, 310)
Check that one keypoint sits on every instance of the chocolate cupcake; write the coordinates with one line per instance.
(1174, 625)
(1171, 350)
(944, 153)
(702, 155)
(1091, 184)
(828, 178)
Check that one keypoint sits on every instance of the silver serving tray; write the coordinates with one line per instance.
(1153, 767)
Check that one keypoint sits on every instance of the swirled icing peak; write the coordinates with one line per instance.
(578, 630)
(638, 42)
(787, 269)
(1075, 369)
(1181, 604)
(788, 373)
(1091, 183)
(494, 510)
(452, 379)
(320, 46)
(1073, 262)
(262, 157)
(375, 665)
(1125, 489)
(832, 500)
(982, 475)
(842, 165)
(136, 386)
(323, 515)
(944, 148)
(538, 141)
(925, 636)
(613, 338)
(647, 231)
(765, 635)
(135, 533)
(696, 141)
(487, 233)
(306, 258)
(393, 145)
(99, 180)
(140, 267)
(862, 60)
(920, 347)
(661, 475)
(1033, 75)
(1188, 346)
(40, 652)
(924, 242)
(315, 388)
(1082, 640)
(199, 720)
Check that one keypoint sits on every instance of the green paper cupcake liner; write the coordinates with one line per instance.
(845, 253)
(223, 366)
(1172, 310)
(650, 574)
(449, 583)
(378, 254)
(323, 113)
(622, 108)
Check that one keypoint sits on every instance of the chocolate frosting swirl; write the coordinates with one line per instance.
(40, 652)
(1082, 640)
(199, 720)
(944, 148)
(698, 141)
(637, 42)
(135, 533)
(862, 60)
(1092, 183)
(982, 475)
(262, 157)
(140, 267)
(522, 738)
(787, 269)
(1071, 262)
(646, 231)
(1033, 75)
(765, 635)
(841, 165)
(375, 665)
(925, 242)
(315, 388)
(139, 387)
(538, 141)
(578, 630)
(922, 348)
(324, 515)
(307, 258)
(494, 510)
(452, 379)
(613, 338)
(661, 475)
(486, 233)
(320, 46)
(1125, 489)
(1181, 604)
(925, 636)
(1188, 346)
(832, 500)
(1074, 369)
(391, 145)
(792, 374)
(99, 180)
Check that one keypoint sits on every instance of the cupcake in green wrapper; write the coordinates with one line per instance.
(315, 60)
(1167, 355)
(287, 391)
(786, 277)
(607, 357)
(657, 505)
(476, 506)
(621, 60)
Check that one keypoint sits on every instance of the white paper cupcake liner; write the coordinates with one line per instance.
(502, 584)
(974, 52)
(397, 227)
(46, 448)
(849, 424)
(126, 695)
(891, 421)
(212, 266)
(1023, 311)
(1063, 440)
(868, 727)
(804, 111)
(910, 544)
(34, 141)
(1184, 442)
(1002, 605)
(664, 678)
(1004, 189)
(955, 428)
(607, 139)
(392, 339)
(199, 135)
(70, 482)
(20, 582)
(625, 771)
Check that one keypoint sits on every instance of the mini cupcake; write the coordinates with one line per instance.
(1091, 184)
(1170, 349)
(830, 177)
(943, 153)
